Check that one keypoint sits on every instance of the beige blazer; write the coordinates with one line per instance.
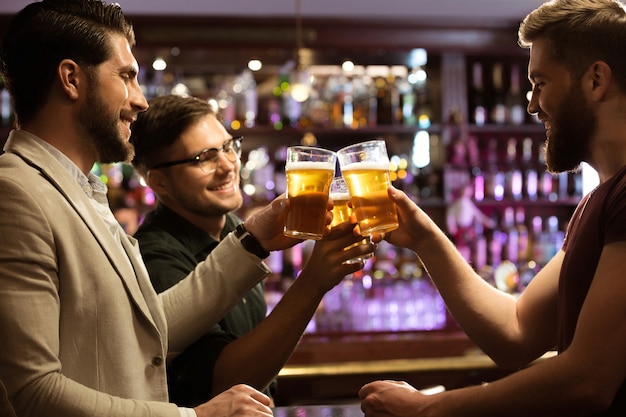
(83, 333)
(6, 409)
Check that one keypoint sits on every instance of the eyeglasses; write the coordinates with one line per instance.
(207, 158)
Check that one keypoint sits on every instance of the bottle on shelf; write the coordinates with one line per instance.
(530, 170)
(499, 109)
(513, 174)
(494, 176)
(541, 242)
(523, 239)
(477, 93)
(511, 252)
(516, 109)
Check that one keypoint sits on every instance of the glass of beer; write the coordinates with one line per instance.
(309, 172)
(341, 211)
(365, 167)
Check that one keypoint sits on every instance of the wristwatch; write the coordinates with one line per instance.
(249, 242)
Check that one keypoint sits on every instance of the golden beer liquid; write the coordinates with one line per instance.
(341, 213)
(341, 210)
(308, 185)
(368, 183)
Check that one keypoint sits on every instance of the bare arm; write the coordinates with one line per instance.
(275, 337)
(581, 381)
(505, 329)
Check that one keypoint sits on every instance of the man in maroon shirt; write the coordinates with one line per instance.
(577, 302)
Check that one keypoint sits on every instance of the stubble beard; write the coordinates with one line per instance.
(202, 207)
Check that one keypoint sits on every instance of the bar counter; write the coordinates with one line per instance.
(331, 370)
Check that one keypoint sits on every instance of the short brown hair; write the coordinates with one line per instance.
(580, 32)
(162, 124)
(43, 34)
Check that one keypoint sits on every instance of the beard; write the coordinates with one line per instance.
(572, 128)
(102, 127)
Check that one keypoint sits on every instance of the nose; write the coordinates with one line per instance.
(137, 99)
(223, 164)
(533, 105)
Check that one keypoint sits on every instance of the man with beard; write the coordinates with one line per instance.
(83, 332)
(577, 302)
(192, 164)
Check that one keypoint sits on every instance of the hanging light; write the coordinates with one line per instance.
(300, 79)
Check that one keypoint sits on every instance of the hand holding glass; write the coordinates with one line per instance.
(309, 173)
(365, 167)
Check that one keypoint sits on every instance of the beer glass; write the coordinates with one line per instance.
(340, 196)
(309, 172)
(365, 167)
(341, 211)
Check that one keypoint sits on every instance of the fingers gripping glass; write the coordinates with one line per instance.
(207, 158)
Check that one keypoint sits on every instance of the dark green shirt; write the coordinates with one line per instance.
(171, 247)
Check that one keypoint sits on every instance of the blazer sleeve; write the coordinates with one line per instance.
(212, 289)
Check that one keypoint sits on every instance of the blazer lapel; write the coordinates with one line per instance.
(20, 143)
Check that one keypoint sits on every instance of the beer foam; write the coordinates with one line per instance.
(326, 166)
(367, 165)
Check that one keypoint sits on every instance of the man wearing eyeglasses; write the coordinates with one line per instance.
(192, 164)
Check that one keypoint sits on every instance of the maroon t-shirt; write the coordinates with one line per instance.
(600, 218)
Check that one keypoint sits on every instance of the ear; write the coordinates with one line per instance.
(157, 181)
(601, 75)
(71, 76)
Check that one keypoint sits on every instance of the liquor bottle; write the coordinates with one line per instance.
(556, 236)
(494, 178)
(423, 107)
(499, 110)
(530, 170)
(479, 183)
(372, 103)
(408, 101)
(361, 102)
(544, 178)
(479, 112)
(516, 111)
(513, 175)
(523, 245)
(388, 105)
(498, 239)
(512, 235)
(348, 104)
(479, 250)
(541, 242)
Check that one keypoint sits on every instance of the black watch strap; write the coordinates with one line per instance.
(250, 243)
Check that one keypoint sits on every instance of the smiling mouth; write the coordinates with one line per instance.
(127, 120)
(223, 187)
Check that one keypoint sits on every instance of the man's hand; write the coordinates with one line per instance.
(390, 399)
(238, 401)
(267, 224)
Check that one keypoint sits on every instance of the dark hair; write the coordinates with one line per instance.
(580, 32)
(162, 124)
(43, 34)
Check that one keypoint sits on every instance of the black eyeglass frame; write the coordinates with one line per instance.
(197, 157)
